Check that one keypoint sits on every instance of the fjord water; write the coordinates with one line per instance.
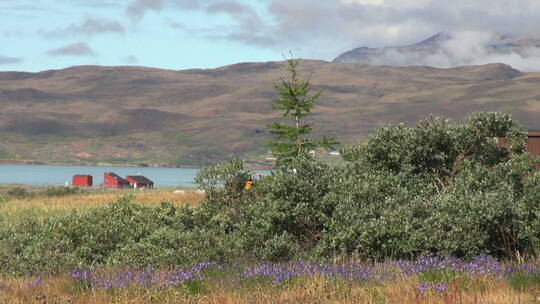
(59, 175)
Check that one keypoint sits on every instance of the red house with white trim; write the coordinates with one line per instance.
(82, 181)
(112, 180)
(139, 181)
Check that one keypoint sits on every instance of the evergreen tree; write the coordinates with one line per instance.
(296, 102)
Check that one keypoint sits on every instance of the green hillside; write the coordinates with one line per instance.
(92, 114)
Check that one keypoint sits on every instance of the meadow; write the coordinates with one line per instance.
(424, 280)
(438, 213)
(36, 204)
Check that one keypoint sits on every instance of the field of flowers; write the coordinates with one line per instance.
(426, 280)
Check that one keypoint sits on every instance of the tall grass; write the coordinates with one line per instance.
(426, 280)
(305, 290)
(41, 207)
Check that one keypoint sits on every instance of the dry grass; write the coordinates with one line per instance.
(41, 207)
(314, 290)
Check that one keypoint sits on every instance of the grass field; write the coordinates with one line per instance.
(422, 281)
(40, 206)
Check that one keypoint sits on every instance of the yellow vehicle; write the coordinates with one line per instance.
(248, 184)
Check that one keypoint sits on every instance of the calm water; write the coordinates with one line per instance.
(59, 175)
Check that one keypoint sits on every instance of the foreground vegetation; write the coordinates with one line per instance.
(438, 189)
(426, 280)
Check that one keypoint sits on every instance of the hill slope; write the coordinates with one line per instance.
(94, 114)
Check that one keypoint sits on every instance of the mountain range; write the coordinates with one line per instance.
(94, 114)
(451, 49)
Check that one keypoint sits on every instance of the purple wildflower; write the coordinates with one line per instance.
(34, 283)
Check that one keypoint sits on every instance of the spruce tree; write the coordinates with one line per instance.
(295, 100)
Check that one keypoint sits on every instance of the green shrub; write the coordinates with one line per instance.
(63, 191)
(438, 147)
(123, 233)
(224, 185)
(486, 211)
(439, 188)
(287, 217)
(18, 193)
(377, 215)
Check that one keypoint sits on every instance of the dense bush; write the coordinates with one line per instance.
(483, 211)
(22, 193)
(122, 233)
(288, 216)
(17, 193)
(63, 191)
(439, 188)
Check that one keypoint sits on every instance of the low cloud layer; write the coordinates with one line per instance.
(355, 23)
(458, 49)
(136, 9)
(9, 60)
(89, 26)
(74, 49)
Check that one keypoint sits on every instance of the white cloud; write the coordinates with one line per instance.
(364, 2)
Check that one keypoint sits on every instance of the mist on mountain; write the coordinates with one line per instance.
(446, 50)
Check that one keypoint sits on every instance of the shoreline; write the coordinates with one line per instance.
(250, 166)
(137, 165)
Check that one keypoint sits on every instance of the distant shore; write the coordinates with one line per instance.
(141, 165)
(138, 165)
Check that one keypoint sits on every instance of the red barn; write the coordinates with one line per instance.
(112, 180)
(139, 181)
(533, 144)
(82, 181)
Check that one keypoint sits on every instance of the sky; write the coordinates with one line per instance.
(38, 35)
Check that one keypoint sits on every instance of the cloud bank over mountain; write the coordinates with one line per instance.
(446, 50)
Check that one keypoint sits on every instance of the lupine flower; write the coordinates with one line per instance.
(35, 283)
(277, 273)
